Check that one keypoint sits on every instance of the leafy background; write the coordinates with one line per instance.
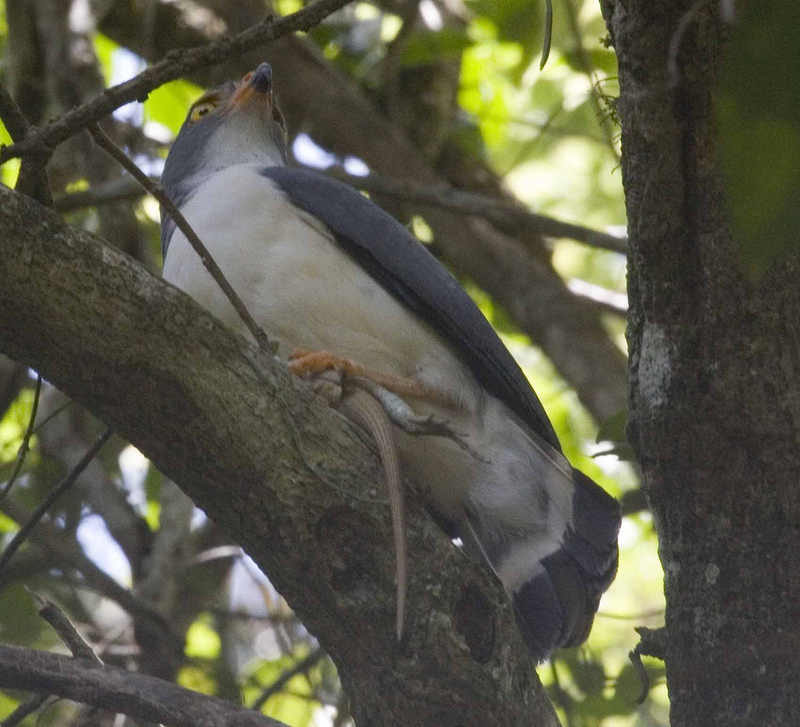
(552, 136)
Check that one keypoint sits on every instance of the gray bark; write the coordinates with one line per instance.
(714, 385)
(284, 475)
(138, 695)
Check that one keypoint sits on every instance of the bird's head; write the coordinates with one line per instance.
(237, 123)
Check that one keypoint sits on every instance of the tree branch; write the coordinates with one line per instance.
(283, 474)
(54, 494)
(176, 64)
(442, 197)
(137, 695)
(32, 178)
(110, 148)
(13, 119)
(493, 209)
(301, 667)
(118, 190)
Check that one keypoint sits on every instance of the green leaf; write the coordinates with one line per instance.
(202, 640)
(432, 46)
(613, 428)
(589, 676)
(519, 21)
(758, 116)
(168, 104)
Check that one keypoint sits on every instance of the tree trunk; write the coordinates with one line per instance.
(714, 384)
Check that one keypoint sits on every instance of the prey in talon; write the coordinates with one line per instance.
(363, 408)
(322, 268)
(376, 409)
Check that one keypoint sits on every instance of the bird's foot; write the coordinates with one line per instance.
(373, 401)
(307, 364)
(332, 375)
(404, 417)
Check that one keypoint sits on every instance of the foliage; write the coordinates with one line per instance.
(759, 132)
(549, 136)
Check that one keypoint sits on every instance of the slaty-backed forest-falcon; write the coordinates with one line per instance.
(322, 268)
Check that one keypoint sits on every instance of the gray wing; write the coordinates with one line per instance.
(394, 257)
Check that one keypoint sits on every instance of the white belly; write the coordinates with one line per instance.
(304, 291)
(294, 279)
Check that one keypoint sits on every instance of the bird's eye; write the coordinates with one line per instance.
(199, 111)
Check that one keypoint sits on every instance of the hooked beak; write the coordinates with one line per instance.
(255, 84)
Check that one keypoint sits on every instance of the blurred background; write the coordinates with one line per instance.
(437, 94)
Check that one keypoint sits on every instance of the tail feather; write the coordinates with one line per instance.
(556, 581)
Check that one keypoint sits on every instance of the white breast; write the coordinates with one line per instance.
(294, 279)
(306, 292)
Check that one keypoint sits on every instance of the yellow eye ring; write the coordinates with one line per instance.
(202, 109)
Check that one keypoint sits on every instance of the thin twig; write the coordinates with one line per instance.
(29, 706)
(118, 190)
(79, 648)
(494, 209)
(108, 146)
(24, 447)
(32, 179)
(652, 613)
(62, 487)
(66, 630)
(176, 63)
(548, 32)
(53, 414)
(301, 667)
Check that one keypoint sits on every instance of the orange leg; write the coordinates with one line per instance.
(306, 363)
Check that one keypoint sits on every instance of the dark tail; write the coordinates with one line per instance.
(557, 596)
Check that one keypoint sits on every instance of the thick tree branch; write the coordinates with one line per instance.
(137, 695)
(278, 470)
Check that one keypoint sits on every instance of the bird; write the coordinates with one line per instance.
(337, 282)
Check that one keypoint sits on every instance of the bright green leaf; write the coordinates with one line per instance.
(759, 131)
(613, 428)
(429, 47)
(168, 104)
(202, 640)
